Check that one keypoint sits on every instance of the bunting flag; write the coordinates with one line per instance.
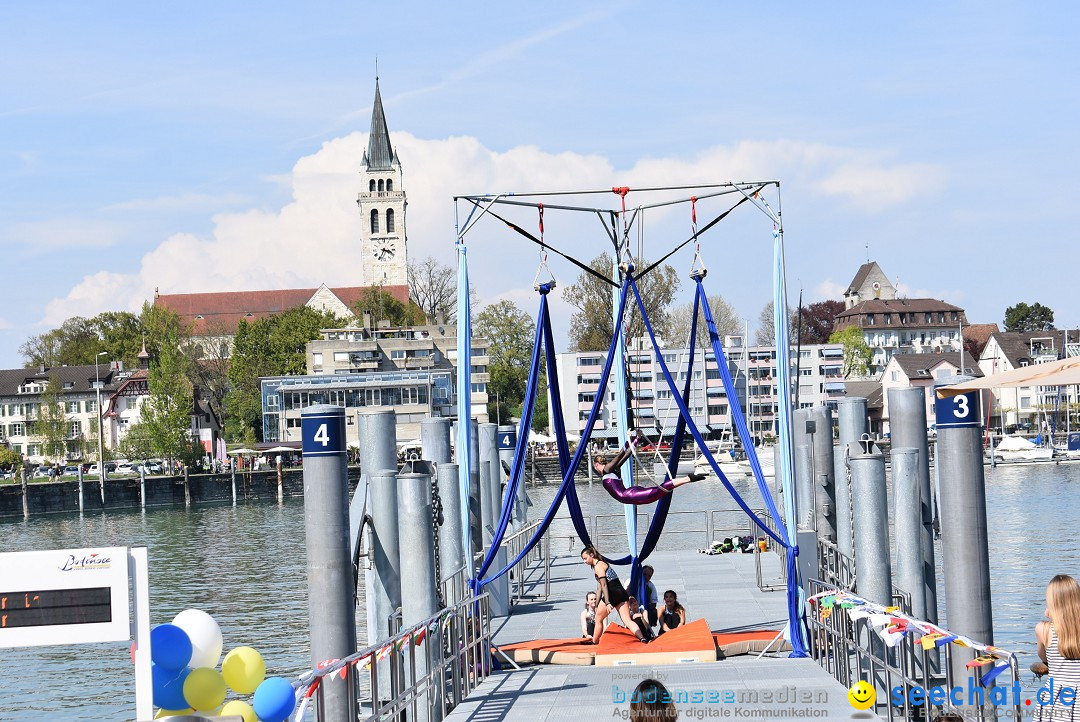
(990, 676)
(384, 651)
(400, 645)
(418, 638)
(929, 641)
(363, 663)
(981, 661)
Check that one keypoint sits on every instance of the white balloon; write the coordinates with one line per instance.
(205, 635)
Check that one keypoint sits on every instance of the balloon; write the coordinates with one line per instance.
(163, 713)
(274, 700)
(243, 670)
(168, 686)
(205, 636)
(204, 689)
(170, 647)
(241, 708)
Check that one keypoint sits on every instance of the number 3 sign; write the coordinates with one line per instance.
(957, 411)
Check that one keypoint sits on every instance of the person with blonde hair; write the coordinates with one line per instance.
(1059, 644)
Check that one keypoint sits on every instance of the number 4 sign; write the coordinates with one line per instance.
(323, 434)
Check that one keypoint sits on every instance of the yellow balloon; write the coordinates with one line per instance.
(163, 713)
(204, 689)
(243, 670)
(239, 707)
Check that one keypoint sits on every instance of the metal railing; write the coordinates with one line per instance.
(850, 650)
(540, 554)
(443, 658)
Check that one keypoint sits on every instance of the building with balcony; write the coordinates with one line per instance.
(412, 370)
(1030, 406)
(921, 370)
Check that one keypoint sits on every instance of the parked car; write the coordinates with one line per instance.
(152, 467)
(122, 469)
(70, 471)
(42, 472)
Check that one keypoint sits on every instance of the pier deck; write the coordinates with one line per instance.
(722, 589)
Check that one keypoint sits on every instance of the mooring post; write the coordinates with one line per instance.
(187, 488)
(821, 460)
(489, 456)
(232, 474)
(507, 444)
(80, 489)
(804, 491)
(331, 610)
(25, 501)
(907, 428)
(851, 425)
(907, 526)
(142, 489)
(418, 577)
(964, 546)
(435, 440)
(476, 524)
(281, 476)
(489, 501)
(871, 523)
(451, 552)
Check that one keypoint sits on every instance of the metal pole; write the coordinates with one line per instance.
(964, 546)
(822, 462)
(451, 554)
(142, 489)
(187, 488)
(80, 489)
(907, 527)
(476, 524)
(489, 497)
(25, 504)
(507, 443)
(804, 490)
(851, 424)
(331, 611)
(871, 523)
(232, 475)
(417, 570)
(100, 425)
(907, 427)
(435, 440)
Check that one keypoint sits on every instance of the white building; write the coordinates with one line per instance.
(1024, 407)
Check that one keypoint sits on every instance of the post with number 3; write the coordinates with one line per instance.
(331, 614)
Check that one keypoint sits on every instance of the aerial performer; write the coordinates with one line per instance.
(635, 494)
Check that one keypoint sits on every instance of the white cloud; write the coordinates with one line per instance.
(180, 202)
(66, 233)
(315, 238)
(828, 291)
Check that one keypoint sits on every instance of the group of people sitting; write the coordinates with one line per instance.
(610, 596)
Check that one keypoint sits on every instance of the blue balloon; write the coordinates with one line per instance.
(274, 699)
(169, 687)
(170, 646)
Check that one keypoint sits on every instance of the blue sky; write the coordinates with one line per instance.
(215, 147)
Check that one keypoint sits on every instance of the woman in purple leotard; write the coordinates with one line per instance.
(634, 494)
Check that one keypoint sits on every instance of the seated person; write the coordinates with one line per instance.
(673, 614)
(651, 597)
(640, 617)
(588, 615)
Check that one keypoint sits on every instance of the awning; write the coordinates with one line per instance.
(1064, 372)
(833, 387)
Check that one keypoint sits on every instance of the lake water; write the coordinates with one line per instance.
(245, 566)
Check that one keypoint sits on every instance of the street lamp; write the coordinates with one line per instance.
(100, 429)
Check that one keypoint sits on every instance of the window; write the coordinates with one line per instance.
(341, 357)
(663, 394)
(372, 397)
(479, 388)
(75, 430)
(374, 220)
(586, 398)
(271, 402)
(371, 185)
(72, 407)
(397, 355)
(91, 406)
(941, 317)
(929, 318)
(390, 220)
(895, 376)
(720, 410)
(712, 374)
(1025, 402)
(316, 358)
(888, 319)
(292, 423)
(588, 361)
(16, 429)
(955, 316)
(380, 185)
(869, 319)
(389, 185)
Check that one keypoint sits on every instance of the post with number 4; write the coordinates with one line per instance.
(962, 510)
(331, 613)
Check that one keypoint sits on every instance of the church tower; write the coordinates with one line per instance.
(382, 206)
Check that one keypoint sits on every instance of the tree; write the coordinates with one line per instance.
(511, 333)
(818, 321)
(1023, 317)
(382, 306)
(166, 413)
(9, 459)
(857, 353)
(433, 287)
(766, 334)
(724, 315)
(52, 425)
(591, 326)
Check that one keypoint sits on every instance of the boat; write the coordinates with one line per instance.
(765, 458)
(725, 459)
(1017, 448)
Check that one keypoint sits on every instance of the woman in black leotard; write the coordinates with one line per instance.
(612, 594)
(673, 613)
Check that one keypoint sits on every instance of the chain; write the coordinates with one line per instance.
(851, 517)
(436, 522)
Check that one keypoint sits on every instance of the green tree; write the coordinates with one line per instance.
(271, 346)
(857, 353)
(51, 425)
(1023, 317)
(591, 326)
(511, 333)
(9, 459)
(382, 306)
(166, 413)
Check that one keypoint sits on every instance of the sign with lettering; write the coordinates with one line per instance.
(507, 440)
(959, 411)
(67, 596)
(323, 434)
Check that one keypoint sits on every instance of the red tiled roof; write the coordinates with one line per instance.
(212, 314)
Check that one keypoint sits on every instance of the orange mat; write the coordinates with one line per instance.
(693, 642)
(732, 644)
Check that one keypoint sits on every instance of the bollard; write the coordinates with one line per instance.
(435, 440)
(907, 427)
(451, 554)
(476, 523)
(804, 492)
(232, 473)
(851, 424)
(80, 489)
(415, 533)
(142, 489)
(821, 461)
(489, 498)
(799, 438)
(522, 515)
(907, 526)
(871, 524)
(331, 610)
(964, 546)
(383, 576)
(187, 488)
(25, 504)
(280, 477)
(507, 444)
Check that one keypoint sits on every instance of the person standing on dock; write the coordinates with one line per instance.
(1059, 646)
(612, 595)
(636, 495)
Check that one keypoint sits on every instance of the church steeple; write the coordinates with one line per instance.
(380, 154)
